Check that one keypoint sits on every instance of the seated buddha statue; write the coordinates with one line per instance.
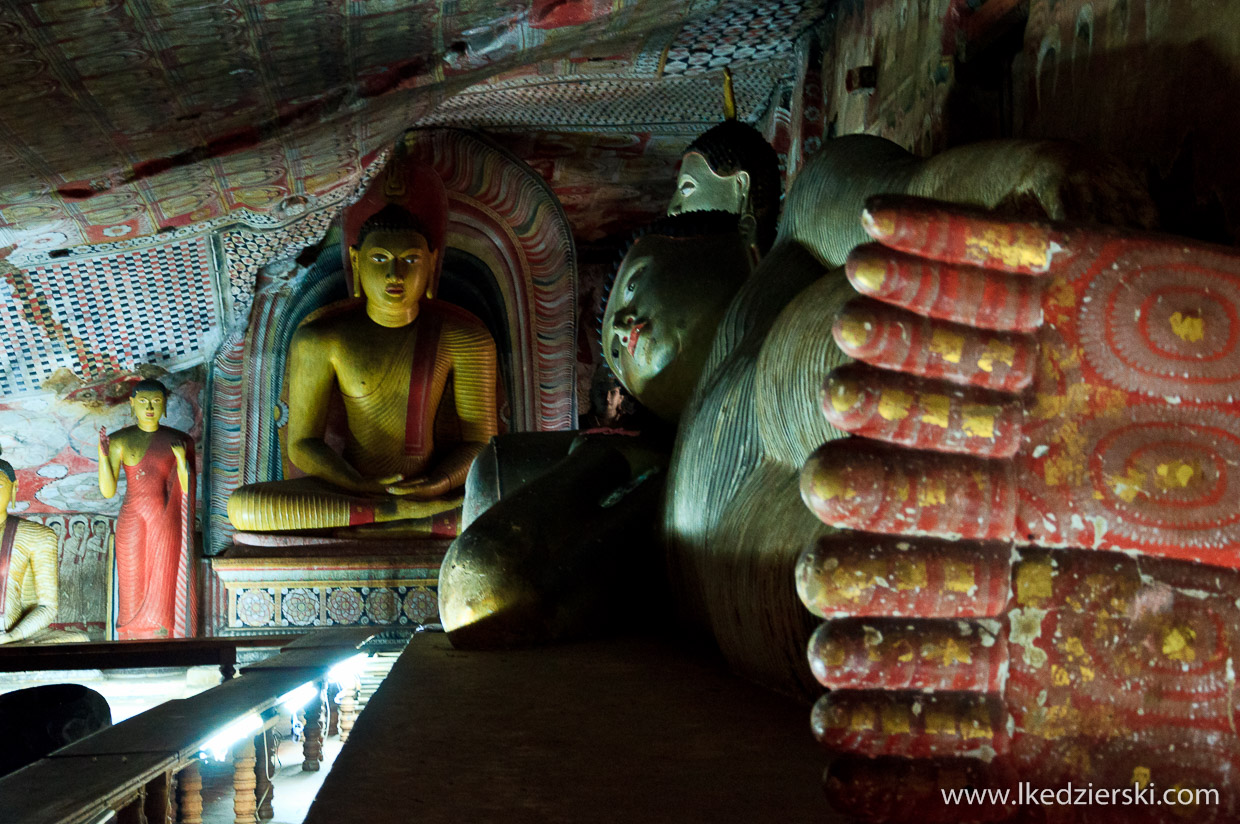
(29, 575)
(394, 358)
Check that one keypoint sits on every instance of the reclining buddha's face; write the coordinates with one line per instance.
(660, 318)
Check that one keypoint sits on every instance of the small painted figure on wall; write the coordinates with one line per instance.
(154, 532)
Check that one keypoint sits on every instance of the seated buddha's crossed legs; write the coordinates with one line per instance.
(306, 503)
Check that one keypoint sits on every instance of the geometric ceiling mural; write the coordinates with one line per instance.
(107, 313)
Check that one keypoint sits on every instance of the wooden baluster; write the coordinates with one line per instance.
(243, 783)
(333, 715)
(189, 791)
(312, 746)
(348, 710)
(158, 804)
(263, 771)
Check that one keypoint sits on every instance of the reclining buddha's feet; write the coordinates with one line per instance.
(1040, 383)
(1027, 394)
(1099, 670)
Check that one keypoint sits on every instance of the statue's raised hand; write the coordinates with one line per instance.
(1049, 384)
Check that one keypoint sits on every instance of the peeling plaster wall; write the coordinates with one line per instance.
(904, 41)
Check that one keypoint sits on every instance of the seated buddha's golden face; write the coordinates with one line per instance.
(661, 314)
(394, 268)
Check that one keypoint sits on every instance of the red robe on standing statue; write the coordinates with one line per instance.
(154, 545)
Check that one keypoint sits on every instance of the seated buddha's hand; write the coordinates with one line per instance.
(423, 488)
(375, 486)
(1050, 384)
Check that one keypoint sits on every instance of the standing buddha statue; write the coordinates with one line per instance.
(155, 528)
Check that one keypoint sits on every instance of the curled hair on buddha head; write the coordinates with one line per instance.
(393, 218)
(684, 225)
(148, 385)
(733, 147)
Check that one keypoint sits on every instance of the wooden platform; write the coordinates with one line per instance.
(615, 731)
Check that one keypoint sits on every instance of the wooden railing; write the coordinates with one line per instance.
(181, 652)
(127, 772)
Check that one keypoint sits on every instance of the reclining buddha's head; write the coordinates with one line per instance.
(664, 304)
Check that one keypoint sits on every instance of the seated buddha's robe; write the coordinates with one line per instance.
(30, 580)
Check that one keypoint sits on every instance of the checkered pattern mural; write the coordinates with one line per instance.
(738, 33)
(99, 314)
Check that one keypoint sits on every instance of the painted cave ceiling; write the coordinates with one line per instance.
(156, 154)
(121, 119)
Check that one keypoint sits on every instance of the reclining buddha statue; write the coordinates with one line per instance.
(994, 450)
(690, 328)
(398, 359)
(1017, 442)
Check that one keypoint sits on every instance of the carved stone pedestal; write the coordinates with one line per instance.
(321, 582)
